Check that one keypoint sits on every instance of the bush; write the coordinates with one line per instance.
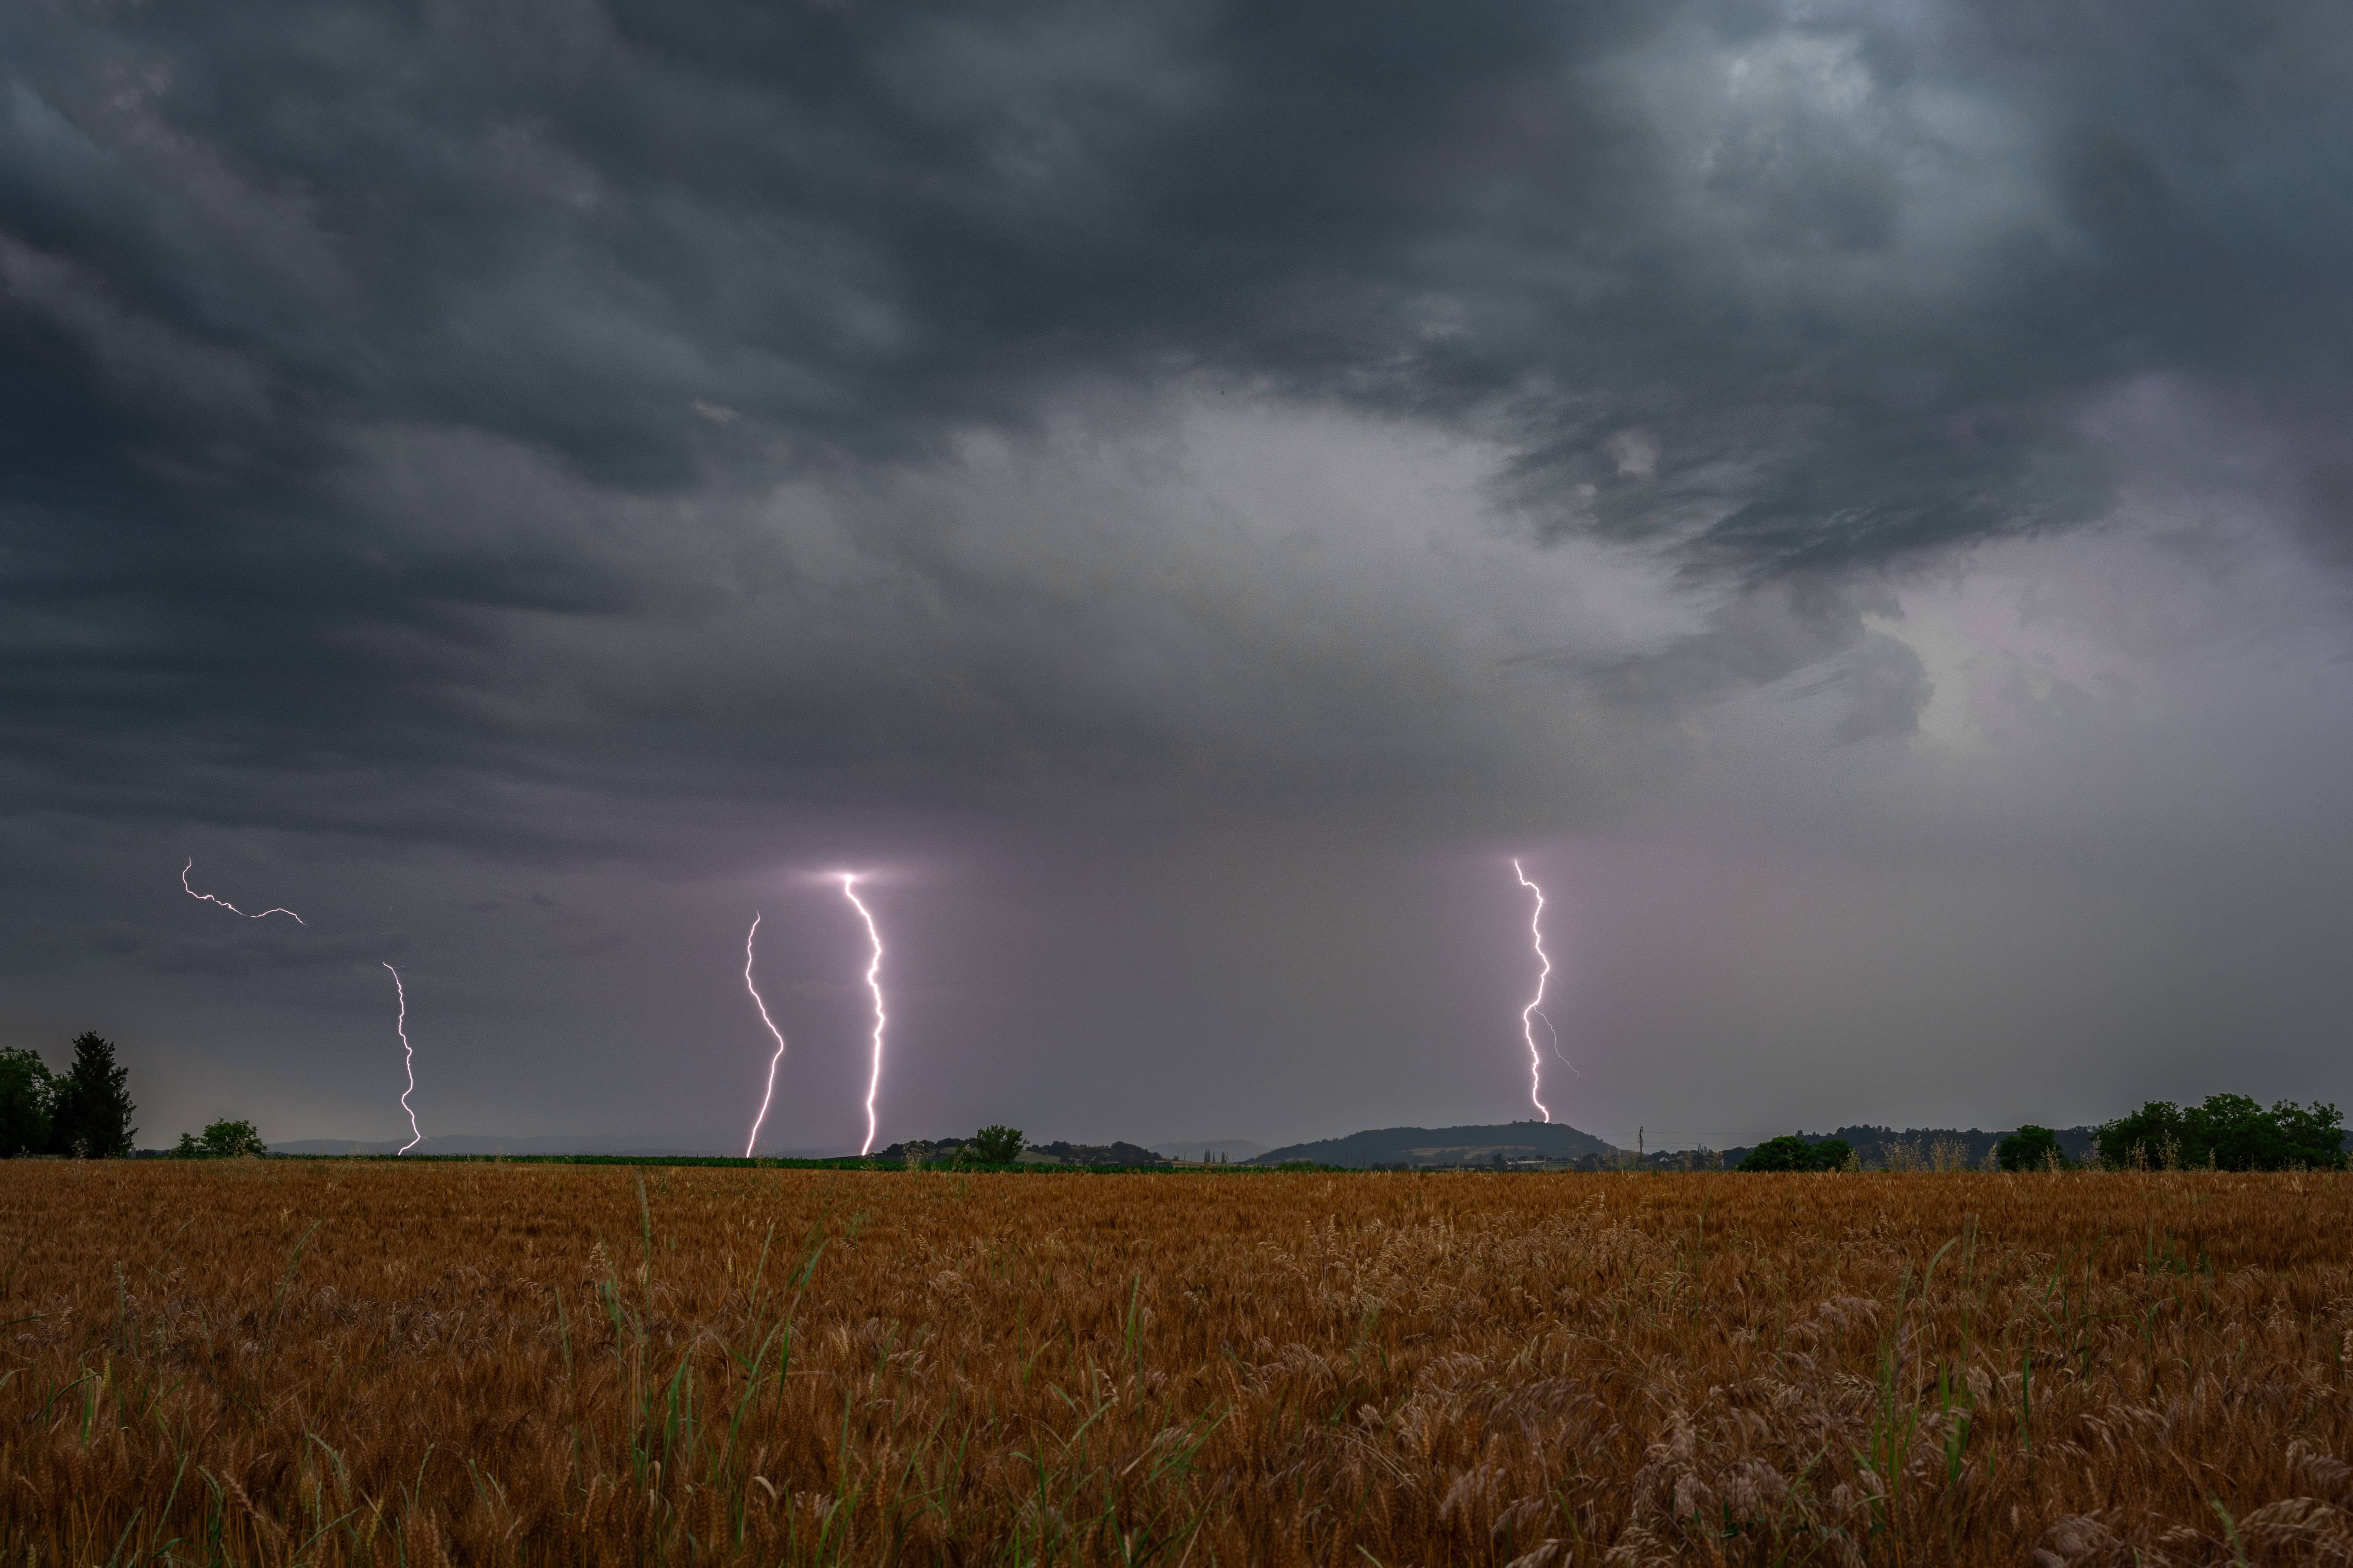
(995, 1146)
(221, 1140)
(2031, 1148)
(2228, 1133)
(1796, 1154)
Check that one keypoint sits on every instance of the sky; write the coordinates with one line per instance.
(1853, 497)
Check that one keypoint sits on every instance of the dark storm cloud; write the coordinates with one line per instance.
(338, 341)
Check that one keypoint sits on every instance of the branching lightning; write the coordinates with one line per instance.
(1555, 1043)
(1528, 1013)
(873, 984)
(770, 1092)
(224, 903)
(402, 1025)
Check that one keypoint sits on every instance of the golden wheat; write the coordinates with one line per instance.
(279, 1362)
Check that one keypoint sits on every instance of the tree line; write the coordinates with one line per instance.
(2228, 1133)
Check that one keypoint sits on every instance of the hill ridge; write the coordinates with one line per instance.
(1467, 1144)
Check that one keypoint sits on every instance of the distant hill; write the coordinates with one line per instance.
(1117, 1153)
(1446, 1145)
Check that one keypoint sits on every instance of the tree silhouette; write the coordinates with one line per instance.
(1793, 1152)
(26, 1092)
(221, 1140)
(90, 1118)
(996, 1146)
(2031, 1148)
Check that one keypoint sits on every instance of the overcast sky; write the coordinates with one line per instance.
(1855, 495)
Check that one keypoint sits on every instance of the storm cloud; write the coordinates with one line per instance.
(1122, 465)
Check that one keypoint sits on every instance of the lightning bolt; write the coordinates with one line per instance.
(224, 903)
(873, 984)
(402, 991)
(762, 1006)
(1528, 1013)
(1556, 1044)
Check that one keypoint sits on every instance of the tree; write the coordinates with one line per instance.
(995, 1146)
(2150, 1139)
(27, 1087)
(221, 1140)
(1784, 1153)
(2235, 1133)
(90, 1117)
(1833, 1155)
(2314, 1134)
(1793, 1152)
(2031, 1148)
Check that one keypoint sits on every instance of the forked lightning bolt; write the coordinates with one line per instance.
(1555, 1033)
(402, 1026)
(873, 984)
(770, 1092)
(224, 903)
(1528, 1013)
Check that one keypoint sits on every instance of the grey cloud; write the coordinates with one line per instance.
(1886, 685)
(2328, 507)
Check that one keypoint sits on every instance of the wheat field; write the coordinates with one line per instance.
(275, 1361)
